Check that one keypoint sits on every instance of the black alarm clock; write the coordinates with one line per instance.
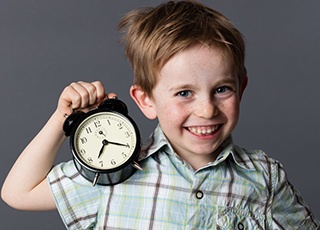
(105, 143)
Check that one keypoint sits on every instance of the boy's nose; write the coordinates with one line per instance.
(206, 109)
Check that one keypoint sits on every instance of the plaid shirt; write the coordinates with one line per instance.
(241, 189)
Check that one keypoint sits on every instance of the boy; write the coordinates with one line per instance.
(189, 73)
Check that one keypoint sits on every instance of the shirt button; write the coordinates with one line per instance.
(199, 195)
(240, 226)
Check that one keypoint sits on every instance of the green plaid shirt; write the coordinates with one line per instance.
(240, 190)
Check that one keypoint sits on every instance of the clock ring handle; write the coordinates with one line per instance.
(71, 121)
(115, 105)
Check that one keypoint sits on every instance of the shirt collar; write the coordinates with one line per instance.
(158, 140)
(239, 155)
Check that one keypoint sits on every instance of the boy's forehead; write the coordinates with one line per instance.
(214, 51)
(199, 59)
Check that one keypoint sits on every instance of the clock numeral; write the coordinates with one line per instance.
(83, 140)
(101, 163)
(88, 129)
(113, 162)
(82, 151)
(124, 155)
(120, 126)
(127, 134)
(90, 160)
(97, 124)
(109, 123)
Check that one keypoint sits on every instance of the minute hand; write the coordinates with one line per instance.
(115, 143)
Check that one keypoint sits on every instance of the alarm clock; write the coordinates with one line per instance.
(105, 143)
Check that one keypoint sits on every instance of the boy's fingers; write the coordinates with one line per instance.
(88, 93)
(100, 91)
(68, 99)
(77, 95)
(112, 96)
(82, 96)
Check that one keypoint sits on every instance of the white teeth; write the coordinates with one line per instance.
(203, 130)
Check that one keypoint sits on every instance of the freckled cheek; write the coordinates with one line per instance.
(233, 111)
(173, 115)
(230, 109)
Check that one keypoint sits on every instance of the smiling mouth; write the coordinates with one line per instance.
(204, 130)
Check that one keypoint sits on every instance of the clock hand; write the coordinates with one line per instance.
(101, 133)
(104, 143)
(115, 143)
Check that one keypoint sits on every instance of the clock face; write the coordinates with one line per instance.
(105, 140)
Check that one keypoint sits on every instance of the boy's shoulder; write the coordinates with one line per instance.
(255, 155)
(257, 160)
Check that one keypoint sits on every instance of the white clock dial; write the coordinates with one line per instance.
(105, 140)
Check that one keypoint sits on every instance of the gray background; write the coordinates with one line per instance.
(45, 45)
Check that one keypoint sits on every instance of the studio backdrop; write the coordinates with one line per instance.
(46, 45)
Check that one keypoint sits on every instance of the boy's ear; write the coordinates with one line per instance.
(143, 101)
(243, 85)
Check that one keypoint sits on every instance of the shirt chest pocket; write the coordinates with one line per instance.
(237, 219)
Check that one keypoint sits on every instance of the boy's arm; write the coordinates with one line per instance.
(26, 186)
(289, 211)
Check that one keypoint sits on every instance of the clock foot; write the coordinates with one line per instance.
(95, 180)
(136, 165)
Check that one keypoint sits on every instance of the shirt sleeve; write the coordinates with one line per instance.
(76, 199)
(288, 209)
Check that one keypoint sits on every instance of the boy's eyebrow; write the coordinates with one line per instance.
(181, 87)
(230, 80)
(226, 80)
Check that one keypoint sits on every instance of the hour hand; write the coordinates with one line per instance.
(104, 143)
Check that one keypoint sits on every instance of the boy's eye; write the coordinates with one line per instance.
(222, 89)
(184, 93)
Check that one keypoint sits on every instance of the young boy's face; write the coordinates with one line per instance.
(196, 100)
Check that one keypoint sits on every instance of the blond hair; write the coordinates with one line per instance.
(153, 35)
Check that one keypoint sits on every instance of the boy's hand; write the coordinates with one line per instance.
(81, 96)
